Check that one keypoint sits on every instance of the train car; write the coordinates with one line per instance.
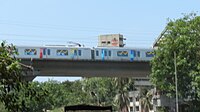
(115, 54)
(122, 54)
(70, 53)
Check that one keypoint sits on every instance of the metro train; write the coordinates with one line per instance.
(84, 53)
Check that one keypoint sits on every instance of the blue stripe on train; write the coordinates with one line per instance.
(102, 54)
(131, 56)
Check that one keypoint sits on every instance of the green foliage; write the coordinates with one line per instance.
(9, 67)
(122, 86)
(10, 73)
(2, 107)
(75, 92)
(181, 37)
(39, 96)
(100, 90)
(32, 95)
(162, 109)
(55, 95)
(61, 109)
(145, 99)
(16, 94)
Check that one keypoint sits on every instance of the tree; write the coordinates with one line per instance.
(100, 89)
(122, 98)
(32, 96)
(2, 107)
(10, 73)
(74, 93)
(15, 93)
(145, 100)
(182, 38)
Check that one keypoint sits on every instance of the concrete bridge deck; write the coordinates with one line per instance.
(53, 67)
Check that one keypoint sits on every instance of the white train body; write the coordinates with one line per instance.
(82, 53)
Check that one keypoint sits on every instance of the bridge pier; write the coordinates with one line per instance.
(29, 78)
(29, 74)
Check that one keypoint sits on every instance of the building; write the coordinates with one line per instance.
(134, 101)
(111, 40)
(157, 100)
(135, 96)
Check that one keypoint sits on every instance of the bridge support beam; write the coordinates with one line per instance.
(53, 67)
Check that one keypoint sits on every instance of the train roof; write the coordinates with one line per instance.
(124, 48)
(52, 47)
(85, 47)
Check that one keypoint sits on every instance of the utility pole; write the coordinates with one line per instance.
(176, 80)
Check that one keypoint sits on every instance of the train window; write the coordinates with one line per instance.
(62, 52)
(121, 39)
(138, 53)
(109, 53)
(44, 51)
(97, 53)
(30, 52)
(105, 53)
(122, 53)
(149, 54)
(134, 53)
(103, 42)
(79, 52)
(48, 52)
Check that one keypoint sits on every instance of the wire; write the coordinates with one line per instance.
(77, 28)
(63, 37)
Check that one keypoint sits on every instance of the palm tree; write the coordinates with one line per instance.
(145, 100)
(122, 98)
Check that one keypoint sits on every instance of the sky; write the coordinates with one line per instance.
(56, 22)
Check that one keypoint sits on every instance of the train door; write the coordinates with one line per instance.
(132, 55)
(45, 52)
(93, 54)
(105, 54)
(74, 53)
(41, 53)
